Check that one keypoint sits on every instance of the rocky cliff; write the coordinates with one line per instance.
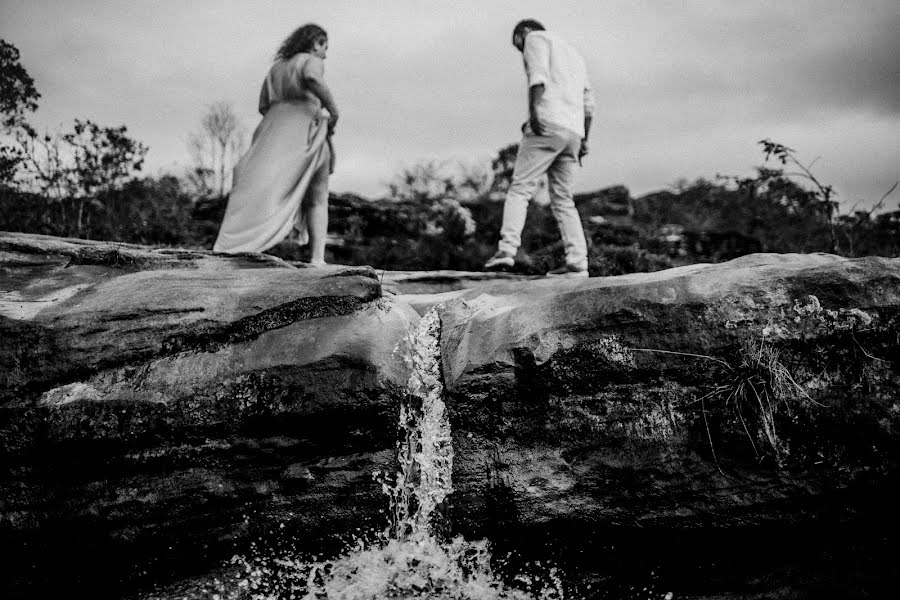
(156, 399)
(709, 388)
(148, 393)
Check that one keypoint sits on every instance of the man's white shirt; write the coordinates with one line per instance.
(568, 97)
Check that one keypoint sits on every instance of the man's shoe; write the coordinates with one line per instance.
(501, 261)
(568, 271)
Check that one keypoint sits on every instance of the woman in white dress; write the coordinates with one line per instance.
(281, 183)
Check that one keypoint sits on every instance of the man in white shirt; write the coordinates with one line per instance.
(560, 107)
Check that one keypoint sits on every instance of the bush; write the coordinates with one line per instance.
(144, 211)
(27, 212)
(604, 261)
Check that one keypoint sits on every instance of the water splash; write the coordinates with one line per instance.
(406, 560)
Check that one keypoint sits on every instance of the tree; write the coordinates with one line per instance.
(44, 161)
(201, 174)
(428, 182)
(215, 149)
(10, 160)
(502, 166)
(18, 97)
(80, 165)
(104, 157)
(424, 182)
(438, 189)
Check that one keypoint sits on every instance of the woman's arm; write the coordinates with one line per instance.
(264, 97)
(313, 74)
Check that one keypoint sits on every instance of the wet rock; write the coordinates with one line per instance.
(159, 407)
(418, 286)
(732, 394)
(149, 394)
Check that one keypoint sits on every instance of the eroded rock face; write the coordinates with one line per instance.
(157, 404)
(719, 394)
(169, 400)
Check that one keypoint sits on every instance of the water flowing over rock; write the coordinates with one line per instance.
(425, 455)
(158, 406)
(408, 560)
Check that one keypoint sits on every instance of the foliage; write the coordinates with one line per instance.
(502, 167)
(103, 157)
(43, 168)
(760, 391)
(427, 182)
(763, 386)
(143, 211)
(79, 166)
(11, 159)
(817, 203)
(862, 234)
(443, 215)
(148, 211)
(607, 260)
(73, 167)
(405, 235)
(440, 189)
(817, 206)
(18, 95)
(439, 214)
(396, 235)
(207, 214)
(776, 218)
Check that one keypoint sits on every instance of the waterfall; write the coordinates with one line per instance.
(425, 450)
(407, 560)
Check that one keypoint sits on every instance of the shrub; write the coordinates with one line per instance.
(143, 211)
(605, 260)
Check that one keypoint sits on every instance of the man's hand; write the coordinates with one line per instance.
(535, 93)
(583, 151)
(536, 126)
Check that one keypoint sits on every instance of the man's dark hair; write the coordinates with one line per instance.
(530, 23)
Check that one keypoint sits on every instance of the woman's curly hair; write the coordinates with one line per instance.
(302, 40)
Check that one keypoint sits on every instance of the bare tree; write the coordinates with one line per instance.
(215, 148)
(45, 162)
(201, 174)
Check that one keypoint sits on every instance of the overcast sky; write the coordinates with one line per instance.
(684, 88)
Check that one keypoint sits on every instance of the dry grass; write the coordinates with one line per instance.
(760, 387)
(764, 386)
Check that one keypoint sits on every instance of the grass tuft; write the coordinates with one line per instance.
(760, 387)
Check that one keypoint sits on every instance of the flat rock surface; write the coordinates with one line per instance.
(690, 308)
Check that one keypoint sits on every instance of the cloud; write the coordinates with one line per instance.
(684, 89)
(855, 72)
